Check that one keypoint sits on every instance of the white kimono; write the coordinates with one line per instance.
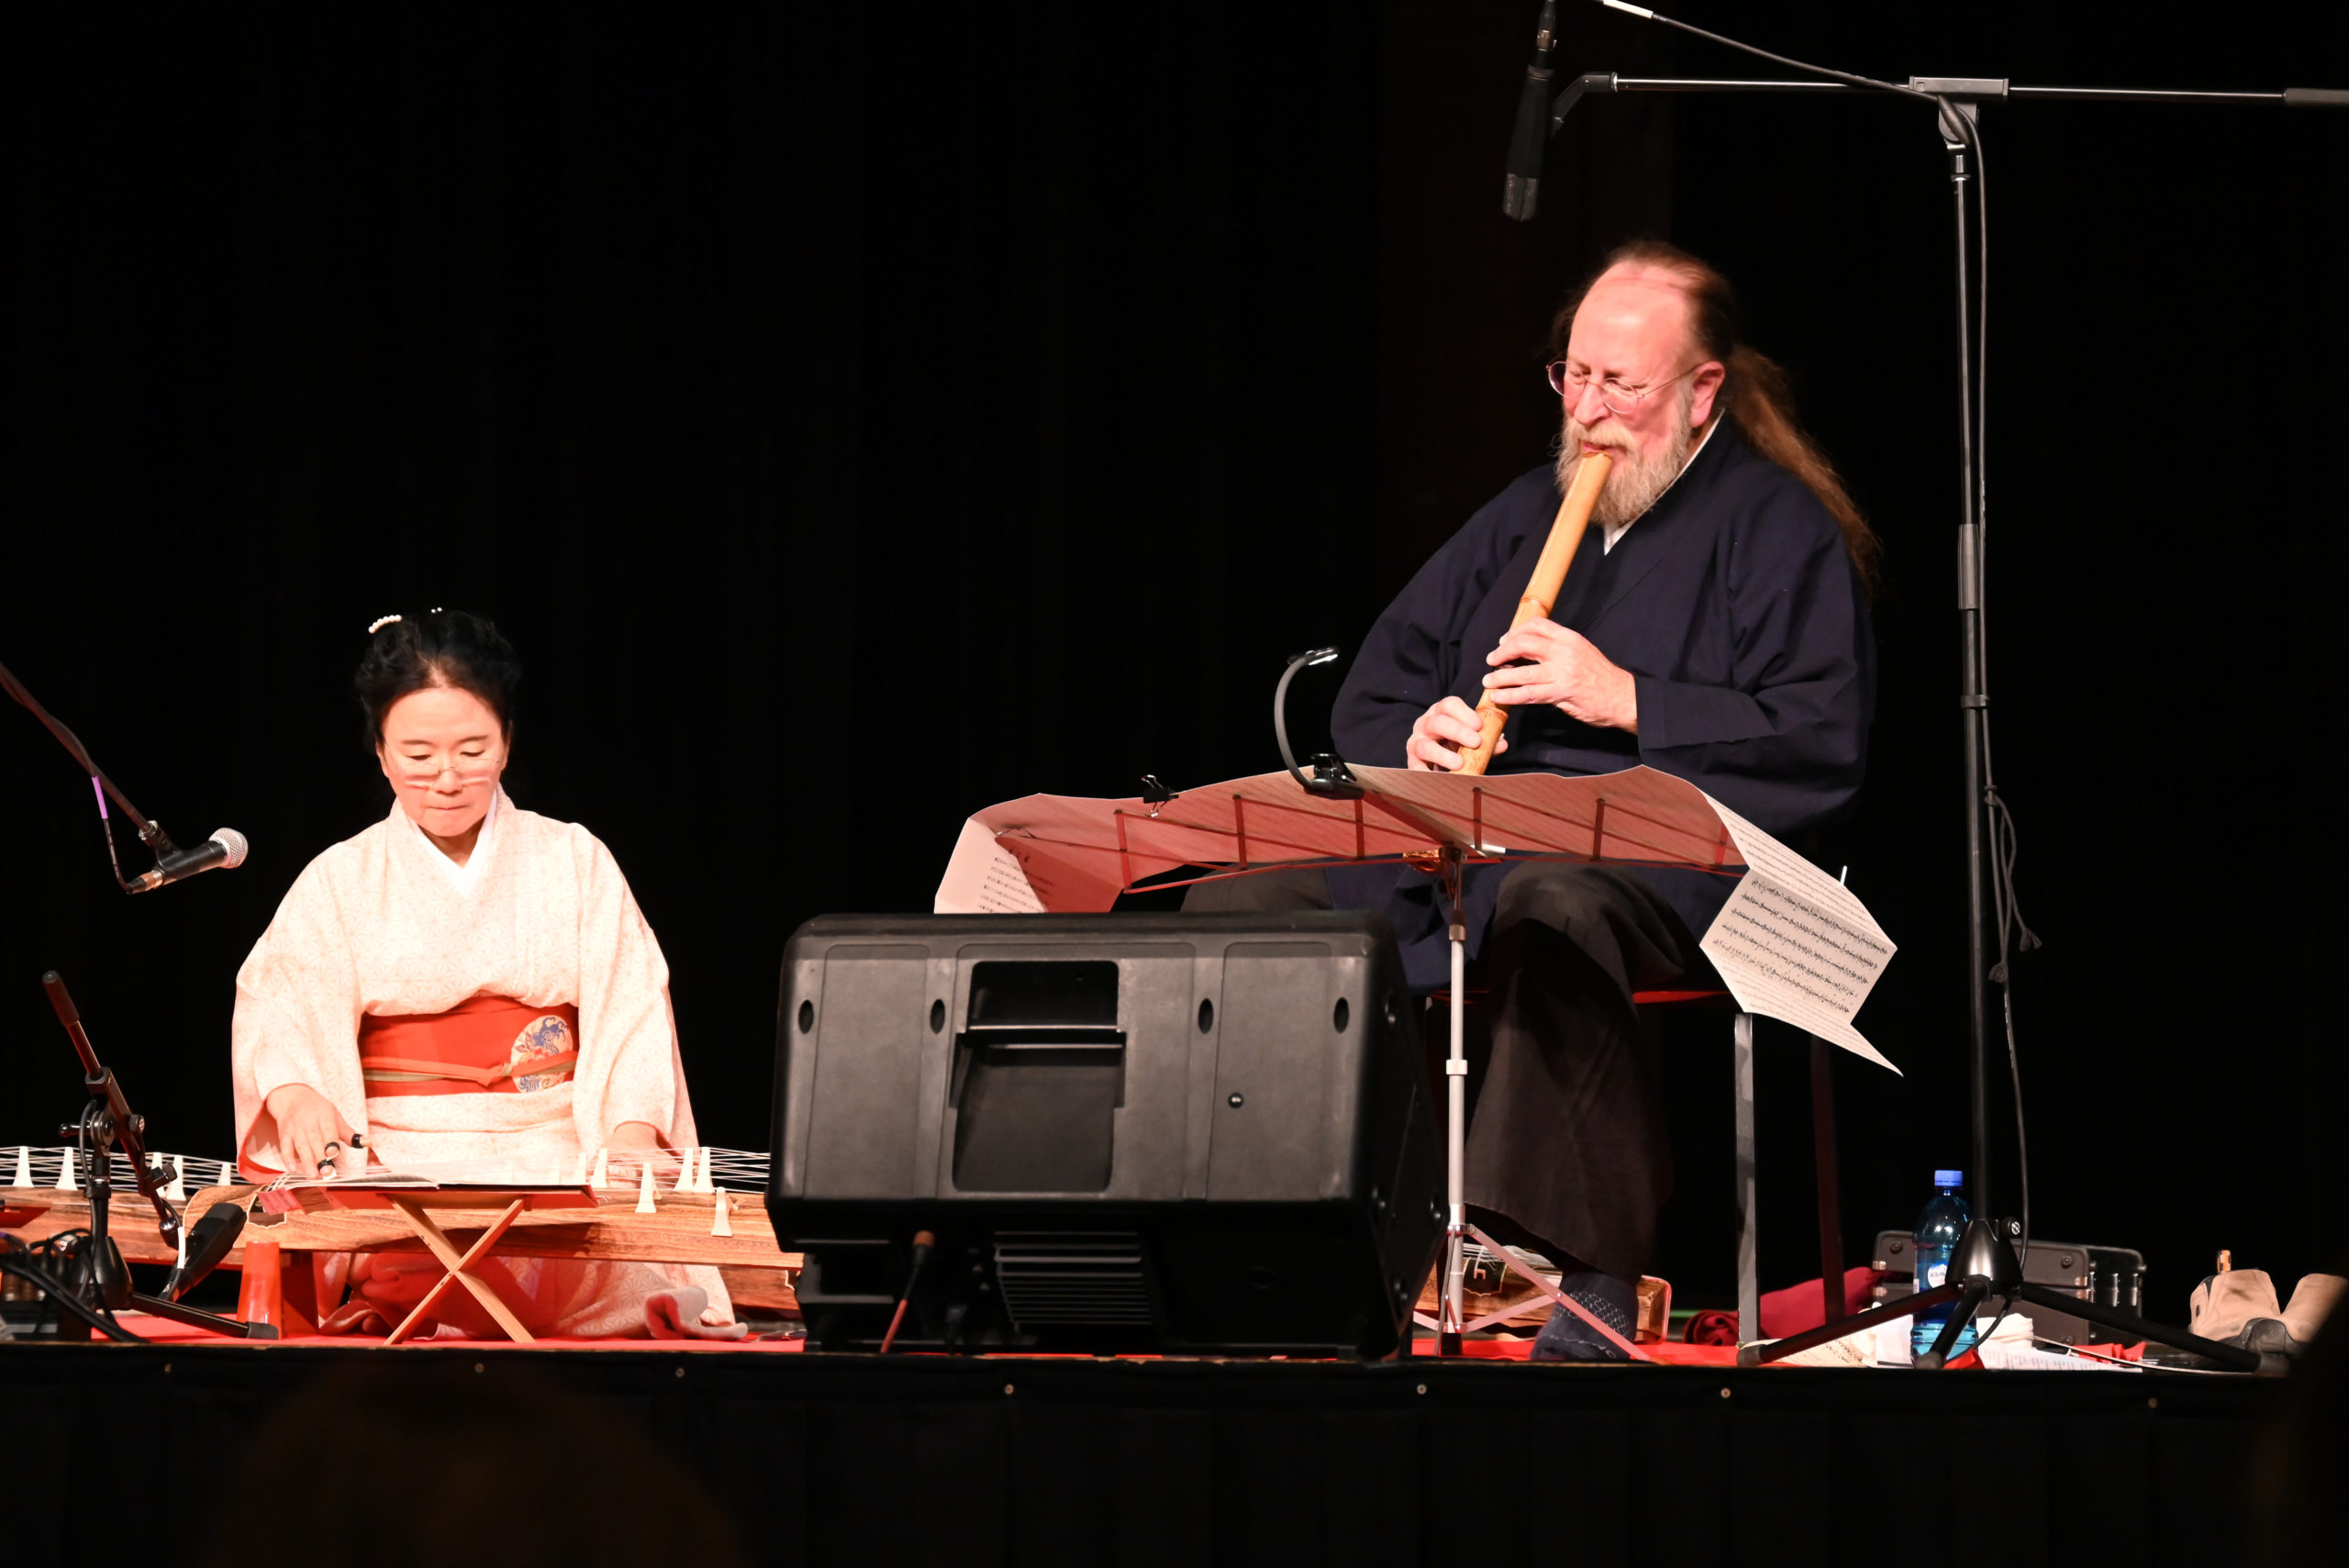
(385, 924)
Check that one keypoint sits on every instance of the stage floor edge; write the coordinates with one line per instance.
(816, 1457)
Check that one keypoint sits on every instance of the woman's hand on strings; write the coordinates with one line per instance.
(1563, 669)
(307, 1123)
(632, 1146)
(1440, 736)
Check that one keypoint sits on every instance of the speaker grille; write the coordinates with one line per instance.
(1071, 1277)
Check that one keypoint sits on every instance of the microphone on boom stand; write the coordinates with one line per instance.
(226, 849)
(1521, 189)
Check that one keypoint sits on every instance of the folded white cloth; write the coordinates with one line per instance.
(676, 1315)
(2312, 1302)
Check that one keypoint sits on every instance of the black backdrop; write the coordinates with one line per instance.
(856, 419)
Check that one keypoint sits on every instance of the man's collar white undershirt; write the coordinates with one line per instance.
(1607, 545)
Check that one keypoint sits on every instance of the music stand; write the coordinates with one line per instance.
(1062, 854)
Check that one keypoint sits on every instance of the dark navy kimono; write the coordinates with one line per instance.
(1732, 601)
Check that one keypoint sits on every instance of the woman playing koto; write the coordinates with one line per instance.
(466, 981)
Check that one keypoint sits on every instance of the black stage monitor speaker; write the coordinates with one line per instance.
(1177, 1133)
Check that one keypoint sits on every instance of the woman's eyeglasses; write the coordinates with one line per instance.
(432, 770)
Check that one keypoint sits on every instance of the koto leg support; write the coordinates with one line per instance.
(441, 1247)
(260, 1292)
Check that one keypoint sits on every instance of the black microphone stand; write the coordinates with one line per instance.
(151, 834)
(98, 1283)
(1991, 914)
(1983, 1268)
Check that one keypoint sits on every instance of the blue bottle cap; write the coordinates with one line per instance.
(1949, 1178)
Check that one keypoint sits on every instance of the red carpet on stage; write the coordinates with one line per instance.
(1666, 1354)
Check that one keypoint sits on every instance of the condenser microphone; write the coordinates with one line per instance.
(1522, 187)
(226, 849)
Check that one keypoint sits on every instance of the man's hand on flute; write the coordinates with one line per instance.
(1441, 734)
(1563, 669)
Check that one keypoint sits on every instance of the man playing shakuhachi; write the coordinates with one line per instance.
(467, 982)
(1713, 625)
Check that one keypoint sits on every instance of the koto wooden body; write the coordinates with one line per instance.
(754, 1267)
(35, 1214)
(1541, 592)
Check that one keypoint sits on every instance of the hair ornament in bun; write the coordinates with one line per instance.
(446, 648)
(379, 623)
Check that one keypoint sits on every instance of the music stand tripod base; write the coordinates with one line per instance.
(1984, 1268)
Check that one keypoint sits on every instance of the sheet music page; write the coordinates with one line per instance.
(984, 878)
(1794, 944)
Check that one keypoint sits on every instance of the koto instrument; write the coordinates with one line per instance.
(1541, 592)
(667, 1209)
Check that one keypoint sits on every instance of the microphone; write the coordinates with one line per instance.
(1522, 187)
(226, 849)
(207, 1241)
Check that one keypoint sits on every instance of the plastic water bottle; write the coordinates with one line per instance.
(1938, 1230)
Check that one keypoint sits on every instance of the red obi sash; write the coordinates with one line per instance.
(485, 1045)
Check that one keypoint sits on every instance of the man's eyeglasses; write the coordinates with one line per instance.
(1568, 384)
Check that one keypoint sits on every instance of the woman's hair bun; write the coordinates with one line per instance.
(438, 648)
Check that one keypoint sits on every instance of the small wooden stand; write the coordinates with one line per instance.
(460, 1268)
(414, 1204)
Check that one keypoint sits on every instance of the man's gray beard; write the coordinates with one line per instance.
(1635, 482)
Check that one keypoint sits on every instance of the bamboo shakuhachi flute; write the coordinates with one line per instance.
(1549, 576)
